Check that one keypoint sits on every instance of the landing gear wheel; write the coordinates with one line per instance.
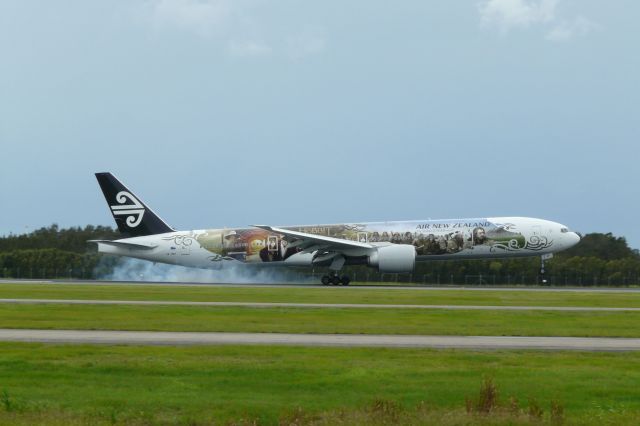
(335, 280)
(326, 280)
(345, 280)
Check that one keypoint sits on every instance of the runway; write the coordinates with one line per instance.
(313, 305)
(422, 287)
(334, 340)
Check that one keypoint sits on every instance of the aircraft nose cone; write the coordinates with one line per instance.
(573, 238)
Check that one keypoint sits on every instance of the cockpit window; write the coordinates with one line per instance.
(564, 230)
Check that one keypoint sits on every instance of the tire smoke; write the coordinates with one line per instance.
(128, 269)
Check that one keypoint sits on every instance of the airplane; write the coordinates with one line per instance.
(389, 247)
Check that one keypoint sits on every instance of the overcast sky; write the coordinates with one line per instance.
(234, 112)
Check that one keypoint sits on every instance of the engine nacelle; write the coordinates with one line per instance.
(399, 258)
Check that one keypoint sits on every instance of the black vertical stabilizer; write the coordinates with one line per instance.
(133, 217)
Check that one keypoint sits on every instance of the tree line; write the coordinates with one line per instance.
(52, 252)
(599, 259)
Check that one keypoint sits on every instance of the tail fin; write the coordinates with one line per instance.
(133, 217)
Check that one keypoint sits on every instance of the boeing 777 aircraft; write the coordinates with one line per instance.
(386, 246)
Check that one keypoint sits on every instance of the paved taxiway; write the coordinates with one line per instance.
(390, 341)
(314, 305)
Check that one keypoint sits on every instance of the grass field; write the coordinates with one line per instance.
(166, 384)
(93, 384)
(313, 320)
(320, 320)
(315, 294)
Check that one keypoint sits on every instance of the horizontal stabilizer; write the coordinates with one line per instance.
(125, 244)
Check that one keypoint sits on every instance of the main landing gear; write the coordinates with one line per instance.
(335, 279)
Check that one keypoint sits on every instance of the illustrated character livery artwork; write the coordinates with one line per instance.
(392, 247)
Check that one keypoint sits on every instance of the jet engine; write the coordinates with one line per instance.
(399, 258)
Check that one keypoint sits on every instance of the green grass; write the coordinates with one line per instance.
(333, 320)
(312, 320)
(315, 294)
(92, 384)
(65, 383)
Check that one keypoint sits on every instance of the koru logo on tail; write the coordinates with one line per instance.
(130, 206)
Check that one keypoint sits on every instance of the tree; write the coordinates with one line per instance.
(601, 246)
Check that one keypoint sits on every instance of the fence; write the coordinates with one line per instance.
(574, 280)
(371, 276)
(44, 273)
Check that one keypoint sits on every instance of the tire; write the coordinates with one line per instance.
(335, 280)
(325, 280)
(345, 280)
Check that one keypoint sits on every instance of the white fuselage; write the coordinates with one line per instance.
(475, 238)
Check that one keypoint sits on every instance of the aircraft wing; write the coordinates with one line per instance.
(312, 242)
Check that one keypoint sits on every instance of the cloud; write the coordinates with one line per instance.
(235, 25)
(309, 42)
(249, 48)
(568, 30)
(508, 14)
(202, 17)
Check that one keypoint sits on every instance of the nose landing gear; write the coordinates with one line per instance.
(542, 270)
